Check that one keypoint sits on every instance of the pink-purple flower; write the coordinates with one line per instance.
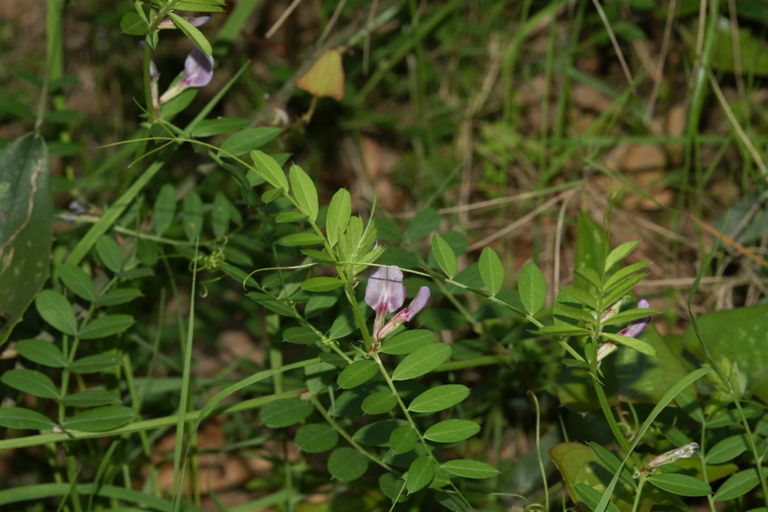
(385, 293)
(198, 72)
(636, 328)
(633, 330)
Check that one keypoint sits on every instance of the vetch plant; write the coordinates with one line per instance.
(378, 376)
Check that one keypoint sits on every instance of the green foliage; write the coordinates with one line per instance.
(407, 342)
(24, 419)
(379, 402)
(339, 214)
(735, 339)
(41, 352)
(286, 412)
(32, 382)
(444, 256)
(99, 419)
(243, 141)
(452, 431)
(737, 485)
(57, 311)
(532, 287)
(163, 212)
(133, 24)
(420, 474)
(681, 485)
(26, 227)
(191, 31)
(422, 361)
(357, 373)
(439, 398)
(469, 468)
(347, 464)
(316, 437)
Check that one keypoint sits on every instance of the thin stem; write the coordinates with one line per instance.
(414, 427)
(140, 426)
(343, 433)
(617, 433)
(186, 400)
(640, 484)
(150, 108)
(538, 449)
(350, 293)
(703, 448)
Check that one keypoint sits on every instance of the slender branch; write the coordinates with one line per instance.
(327, 417)
(140, 426)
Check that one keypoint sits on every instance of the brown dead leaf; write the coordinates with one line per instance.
(236, 345)
(636, 157)
(325, 78)
(216, 472)
(675, 127)
(205, 365)
(586, 97)
(643, 166)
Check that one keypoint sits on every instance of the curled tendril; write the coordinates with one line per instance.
(208, 261)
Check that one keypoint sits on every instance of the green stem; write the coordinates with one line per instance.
(112, 214)
(343, 433)
(72, 474)
(150, 107)
(349, 291)
(414, 427)
(614, 426)
(727, 381)
(141, 426)
(640, 484)
(186, 401)
(538, 449)
(136, 401)
(703, 447)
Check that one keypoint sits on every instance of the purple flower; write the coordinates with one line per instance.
(385, 294)
(385, 291)
(195, 22)
(198, 72)
(633, 330)
(198, 69)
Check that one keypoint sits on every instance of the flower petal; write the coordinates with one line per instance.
(385, 291)
(198, 68)
(605, 350)
(417, 304)
(634, 329)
